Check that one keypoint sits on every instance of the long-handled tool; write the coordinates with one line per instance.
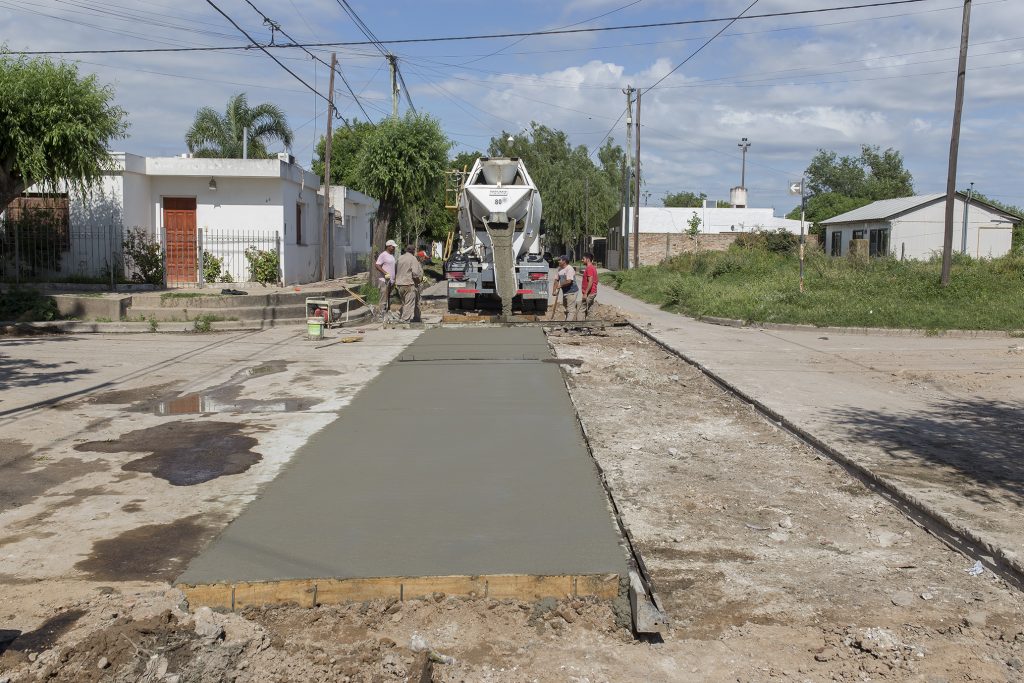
(557, 294)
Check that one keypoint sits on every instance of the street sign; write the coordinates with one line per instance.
(796, 187)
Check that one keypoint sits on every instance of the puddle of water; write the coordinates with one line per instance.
(220, 401)
(184, 453)
(155, 552)
(270, 367)
(44, 637)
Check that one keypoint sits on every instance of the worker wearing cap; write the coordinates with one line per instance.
(409, 275)
(385, 266)
(566, 286)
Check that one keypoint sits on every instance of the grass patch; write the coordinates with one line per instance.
(27, 305)
(186, 295)
(756, 285)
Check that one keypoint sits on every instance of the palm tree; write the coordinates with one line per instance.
(213, 135)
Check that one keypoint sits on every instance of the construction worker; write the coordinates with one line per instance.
(409, 275)
(385, 266)
(589, 296)
(565, 287)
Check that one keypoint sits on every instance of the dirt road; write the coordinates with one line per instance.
(773, 564)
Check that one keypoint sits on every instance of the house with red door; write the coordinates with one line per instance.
(211, 217)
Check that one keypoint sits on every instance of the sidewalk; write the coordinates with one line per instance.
(939, 419)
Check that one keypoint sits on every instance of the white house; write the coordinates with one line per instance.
(914, 227)
(660, 219)
(221, 207)
(663, 230)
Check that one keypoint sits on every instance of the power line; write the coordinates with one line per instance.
(366, 31)
(274, 26)
(703, 45)
(279, 63)
(488, 36)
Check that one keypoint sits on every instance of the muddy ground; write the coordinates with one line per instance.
(772, 563)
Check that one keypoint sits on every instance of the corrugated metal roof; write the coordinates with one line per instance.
(885, 208)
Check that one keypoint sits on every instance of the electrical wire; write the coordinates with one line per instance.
(488, 36)
(277, 27)
(279, 63)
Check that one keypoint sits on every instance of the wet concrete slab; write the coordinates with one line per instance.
(463, 457)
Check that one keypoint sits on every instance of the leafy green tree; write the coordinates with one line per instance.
(693, 228)
(346, 148)
(688, 200)
(56, 126)
(838, 184)
(402, 164)
(463, 161)
(220, 136)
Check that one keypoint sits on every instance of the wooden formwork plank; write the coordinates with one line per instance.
(526, 587)
(421, 586)
(601, 586)
(255, 594)
(339, 591)
(208, 595)
(309, 592)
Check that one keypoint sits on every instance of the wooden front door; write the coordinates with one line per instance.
(180, 240)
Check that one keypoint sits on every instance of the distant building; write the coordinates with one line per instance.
(663, 230)
(914, 227)
(191, 205)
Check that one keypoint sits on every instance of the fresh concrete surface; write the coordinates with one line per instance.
(942, 418)
(97, 432)
(440, 466)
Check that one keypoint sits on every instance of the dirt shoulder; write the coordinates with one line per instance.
(773, 564)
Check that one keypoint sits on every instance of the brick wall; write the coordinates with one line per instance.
(656, 247)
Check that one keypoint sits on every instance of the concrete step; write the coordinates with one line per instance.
(291, 312)
(185, 299)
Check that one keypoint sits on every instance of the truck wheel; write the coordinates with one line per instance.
(540, 306)
(454, 305)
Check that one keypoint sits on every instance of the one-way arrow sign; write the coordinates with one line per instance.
(796, 187)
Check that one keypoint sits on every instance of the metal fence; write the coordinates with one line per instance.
(225, 256)
(41, 246)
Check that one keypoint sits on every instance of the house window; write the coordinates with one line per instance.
(298, 224)
(837, 242)
(878, 244)
(859, 234)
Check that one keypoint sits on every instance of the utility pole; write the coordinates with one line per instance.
(393, 65)
(245, 142)
(967, 208)
(627, 171)
(744, 145)
(954, 146)
(636, 181)
(803, 217)
(647, 195)
(325, 232)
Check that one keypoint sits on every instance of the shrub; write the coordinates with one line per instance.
(212, 267)
(264, 265)
(26, 305)
(777, 241)
(146, 255)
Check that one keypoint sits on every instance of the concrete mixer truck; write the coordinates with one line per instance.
(498, 259)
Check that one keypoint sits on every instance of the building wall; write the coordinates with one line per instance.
(656, 247)
(659, 219)
(353, 218)
(919, 234)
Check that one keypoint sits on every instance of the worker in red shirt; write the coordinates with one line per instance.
(589, 296)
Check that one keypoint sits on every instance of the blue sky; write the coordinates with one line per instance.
(882, 76)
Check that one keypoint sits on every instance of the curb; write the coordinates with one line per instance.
(175, 327)
(874, 331)
(958, 537)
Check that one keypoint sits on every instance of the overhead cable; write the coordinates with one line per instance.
(489, 36)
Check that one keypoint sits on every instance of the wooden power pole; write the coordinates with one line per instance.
(627, 169)
(325, 231)
(954, 146)
(636, 192)
(393, 65)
